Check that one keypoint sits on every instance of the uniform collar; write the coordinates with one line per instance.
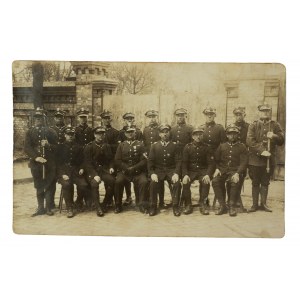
(197, 144)
(165, 144)
(241, 124)
(130, 142)
(210, 123)
(232, 144)
(83, 125)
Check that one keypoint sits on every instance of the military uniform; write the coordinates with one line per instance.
(181, 134)
(122, 138)
(130, 160)
(45, 187)
(231, 158)
(197, 162)
(70, 161)
(60, 129)
(83, 133)
(164, 160)
(257, 142)
(150, 136)
(98, 160)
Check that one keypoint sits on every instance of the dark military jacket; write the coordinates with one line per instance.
(150, 135)
(214, 135)
(232, 157)
(196, 157)
(69, 158)
(257, 141)
(83, 134)
(130, 157)
(243, 127)
(112, 138)
(34, 149)
(122, 136)
(163, 159)
(97, 158)
(181, 135)
(33, 146)
(60, 131)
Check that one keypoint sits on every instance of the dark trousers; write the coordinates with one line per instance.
(259, 175)
(109, 181)
(68, 189)
(140, 184)
(203, 188)
(156, 187)
(219, 183)
(46, 194)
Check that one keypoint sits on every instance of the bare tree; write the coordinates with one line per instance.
(133, 78)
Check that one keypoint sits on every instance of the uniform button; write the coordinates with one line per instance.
(197, 148)
(39, 136)
(209, 135)
(209, 140)
(230, 156)
(177, 135)
(230, 151)
(208, 126)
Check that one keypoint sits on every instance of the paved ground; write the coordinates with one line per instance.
(133, 223)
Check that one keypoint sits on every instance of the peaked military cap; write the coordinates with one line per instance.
(209, 110)
(164, 126)
(106, 114)
(39, 112)
(128, 115)
(99, 129)
(180, 111)
(264, 106)
(239, 110)
(82, 112)
(130, 129)
(70, 130)
(198, 129)
(232, 128)
(59, 112)
(151, 112)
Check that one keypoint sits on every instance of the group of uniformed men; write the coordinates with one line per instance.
(179, 155)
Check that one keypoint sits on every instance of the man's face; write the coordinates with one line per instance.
(106, 121)
(59, 120)
(197, 136)
(153, 120)
(38, 121)
(210, 117)
(239, 117)
(180, 118)
(264, 114)
(129, 121)
(164, 135)
(99, 136)
(232, 136)
(130, 135)
(69, 137)
(83, 120)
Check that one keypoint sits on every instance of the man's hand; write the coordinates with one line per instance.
(206, 179)
(271, 135)
(41, 160)
(81, 171)
(186, 179)
(235, 178)
(97, 178)
(217, 173)
(111, 170)
(44, 143)
(154, 178)
(266, 153)
(65, 177)
(175, 178)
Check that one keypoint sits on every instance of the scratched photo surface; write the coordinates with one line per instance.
(171, 149)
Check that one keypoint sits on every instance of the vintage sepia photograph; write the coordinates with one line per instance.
(147, 149)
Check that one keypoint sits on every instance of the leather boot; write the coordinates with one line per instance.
(255, 195)
(263, 195)
(188, 207)
(232, 211)
(152, 211)
(203, 208)
(70, 213)
(40, 209)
